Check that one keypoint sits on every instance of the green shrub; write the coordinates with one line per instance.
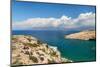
(51, 61)
(34, 59)
(31, 45)
(13, 38)
(13, 48)
(53, 53)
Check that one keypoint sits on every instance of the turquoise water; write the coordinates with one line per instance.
(76, 50)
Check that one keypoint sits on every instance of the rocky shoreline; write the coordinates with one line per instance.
(28, 50)
(84, 35)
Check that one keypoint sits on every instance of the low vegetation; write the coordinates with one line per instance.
(28, 50)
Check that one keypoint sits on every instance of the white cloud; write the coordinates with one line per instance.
(86, 19)
(65, 22)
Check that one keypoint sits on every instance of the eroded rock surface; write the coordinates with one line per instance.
(28, 50)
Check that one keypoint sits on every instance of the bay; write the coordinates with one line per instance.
(76, 50)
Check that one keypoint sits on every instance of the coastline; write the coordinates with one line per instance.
(28, 47)
(83, 35)
(67, 47)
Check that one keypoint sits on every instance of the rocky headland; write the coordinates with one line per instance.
(28, 50)
(84, 35)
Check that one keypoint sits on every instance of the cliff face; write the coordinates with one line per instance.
(85, 35)
(28, 50)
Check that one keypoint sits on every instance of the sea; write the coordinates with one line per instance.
(75, 50)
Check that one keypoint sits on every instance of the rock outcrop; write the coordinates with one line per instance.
(28, 50)
(84, 35)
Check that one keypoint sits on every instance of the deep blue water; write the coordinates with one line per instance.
(76, 50)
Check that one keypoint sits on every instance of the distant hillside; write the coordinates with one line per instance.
(84, 35)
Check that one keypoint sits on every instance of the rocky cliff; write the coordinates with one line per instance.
(84, 35)
(28, 50)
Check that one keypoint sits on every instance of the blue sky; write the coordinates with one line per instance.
(22, 11)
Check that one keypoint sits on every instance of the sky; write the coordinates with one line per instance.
(37, 16)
